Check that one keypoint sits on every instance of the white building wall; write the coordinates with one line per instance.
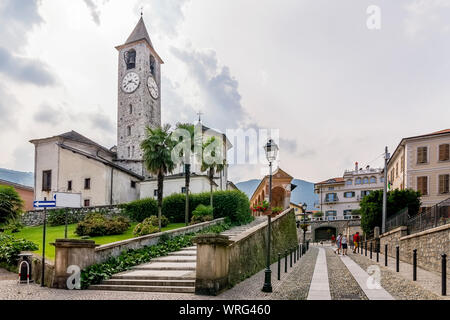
(46, 158)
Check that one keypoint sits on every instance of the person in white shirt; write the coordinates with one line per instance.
(344, 245)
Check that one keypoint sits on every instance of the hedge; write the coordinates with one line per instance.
(231, 205)
(140, 210)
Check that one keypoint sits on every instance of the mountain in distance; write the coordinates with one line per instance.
(23, 178)
(303, 193)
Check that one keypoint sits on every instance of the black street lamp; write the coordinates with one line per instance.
(304, 207)
(271, 149)
(187, 172)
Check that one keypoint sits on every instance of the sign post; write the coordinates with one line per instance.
(43, 247)
(45, 205)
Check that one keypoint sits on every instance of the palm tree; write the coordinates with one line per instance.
(157, 148)
(210, 165)
(191, 129)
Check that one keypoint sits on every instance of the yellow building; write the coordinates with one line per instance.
(422, 163)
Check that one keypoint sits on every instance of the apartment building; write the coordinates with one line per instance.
(422, 163)
(338, 197)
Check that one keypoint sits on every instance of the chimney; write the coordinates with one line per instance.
(356, 166)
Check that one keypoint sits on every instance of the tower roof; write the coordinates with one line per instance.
(139, 33)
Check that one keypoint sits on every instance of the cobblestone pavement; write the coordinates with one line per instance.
(6, 275)
(295, 286)
(290, 285)
(343, 285)
(399, 287)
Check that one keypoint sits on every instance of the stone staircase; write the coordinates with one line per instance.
(174, 273)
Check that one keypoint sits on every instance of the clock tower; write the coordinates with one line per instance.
(139, 97)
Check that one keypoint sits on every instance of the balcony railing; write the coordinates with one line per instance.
(337, 218)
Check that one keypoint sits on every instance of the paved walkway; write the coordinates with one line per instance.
(6, 275)
(426, 280)
(320, 288)
(370, 285)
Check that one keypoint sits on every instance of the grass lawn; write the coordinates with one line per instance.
(34, 234)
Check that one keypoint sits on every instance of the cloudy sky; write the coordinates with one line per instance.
(338, 91)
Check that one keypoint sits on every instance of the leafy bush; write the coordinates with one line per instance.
(13, 225)
(139, 210)
(202, 214)
(130, 258)
(58, 218)
(11, 247)
(372, 206)
(150, 225)
(11, 205)
(232, 205)
(95, 224)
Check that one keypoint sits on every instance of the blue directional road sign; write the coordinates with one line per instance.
(44, 204)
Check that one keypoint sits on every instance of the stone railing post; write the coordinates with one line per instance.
(213, 264)
(70, 252)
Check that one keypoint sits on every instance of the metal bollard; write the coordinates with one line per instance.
(444, 274)
(295, 255)
(290, 264)
(362, 250)
(371, 251)
(415, 265)
(279, 266)
(301, 250)
(385, 255)
(378, 255)
(397, 258)
(307, 245)
(285, 261)
(365, 247)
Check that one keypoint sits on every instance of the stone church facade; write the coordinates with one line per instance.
(73, 163)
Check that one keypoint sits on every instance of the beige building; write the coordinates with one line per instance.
(338, 197)
(422, 163)
(73, 163)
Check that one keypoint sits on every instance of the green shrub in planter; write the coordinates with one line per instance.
(11, 247)
(95, 224)
(202, 214)
(146, 227)
(139, 210)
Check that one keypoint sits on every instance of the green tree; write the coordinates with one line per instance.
(372, 206)
(157, 154)
(211, 162)
(11, 205)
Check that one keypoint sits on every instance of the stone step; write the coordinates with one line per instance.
(150, 283)
(166, 266)
(143, 288)
(189, 248)
(184, 253)
(176, 259)
(156, 275)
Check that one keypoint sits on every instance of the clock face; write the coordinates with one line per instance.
(130, 82)
(153, 87)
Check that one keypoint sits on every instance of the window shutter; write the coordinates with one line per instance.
(444, 152)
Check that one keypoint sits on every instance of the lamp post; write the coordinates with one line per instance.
(304, 207)
(187, 171)
(271, 149)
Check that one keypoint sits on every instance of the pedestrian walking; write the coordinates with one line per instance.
(333, 240)
(344, 245)
(338, 244)
(356, 240)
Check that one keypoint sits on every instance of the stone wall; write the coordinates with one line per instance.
(36, 217)
(224, 262)
(430, 245)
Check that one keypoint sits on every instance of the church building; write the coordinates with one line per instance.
(73, 163)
